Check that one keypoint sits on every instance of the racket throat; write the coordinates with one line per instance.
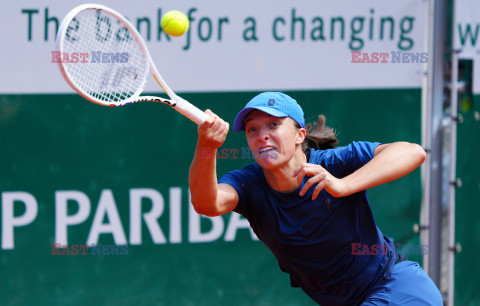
(152, 99)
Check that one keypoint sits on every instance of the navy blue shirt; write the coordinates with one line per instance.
(331, 247)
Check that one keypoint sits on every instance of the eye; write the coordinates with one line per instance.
(274, 124)
(251, 130)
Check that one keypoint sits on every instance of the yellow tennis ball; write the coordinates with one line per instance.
(175, 23)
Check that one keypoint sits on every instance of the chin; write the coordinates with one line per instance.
(268, 161)
(267, 165)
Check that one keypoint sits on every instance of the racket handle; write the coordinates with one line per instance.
(190, 111)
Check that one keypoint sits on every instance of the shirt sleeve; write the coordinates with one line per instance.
(343, 161)
(241, 181)
(357, 154)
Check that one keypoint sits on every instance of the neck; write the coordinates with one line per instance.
(282, 179)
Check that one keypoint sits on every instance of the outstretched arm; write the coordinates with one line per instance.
(390, 162)
(208, 197)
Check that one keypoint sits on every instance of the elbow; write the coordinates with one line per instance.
(418, 153)
(199, 208)
(205, 210)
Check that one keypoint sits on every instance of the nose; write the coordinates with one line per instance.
(263, 134)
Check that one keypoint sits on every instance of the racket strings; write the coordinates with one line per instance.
(116, 67)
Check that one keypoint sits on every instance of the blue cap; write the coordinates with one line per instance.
(276, 104)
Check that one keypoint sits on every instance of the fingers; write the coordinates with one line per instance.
(213, 131)
(320, 179)
(296, 172)
(209, 121)
(300, 173)
(307, 169)
(318, 189)
(318, 175)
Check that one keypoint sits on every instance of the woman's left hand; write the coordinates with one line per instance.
(324, 180)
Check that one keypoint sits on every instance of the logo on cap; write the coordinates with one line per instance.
(271, 102)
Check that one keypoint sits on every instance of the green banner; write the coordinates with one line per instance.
(115, 180)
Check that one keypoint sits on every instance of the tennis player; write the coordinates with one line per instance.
(307, 201)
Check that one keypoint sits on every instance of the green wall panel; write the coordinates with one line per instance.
(54, 143)
(467, 270)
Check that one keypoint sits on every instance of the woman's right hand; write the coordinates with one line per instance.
(207, 196)
(213, 131)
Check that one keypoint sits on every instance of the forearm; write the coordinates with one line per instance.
(203, 179)
(394, 161)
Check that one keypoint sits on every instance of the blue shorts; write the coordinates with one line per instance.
(408, 285)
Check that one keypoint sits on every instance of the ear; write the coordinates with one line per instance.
(302, 133)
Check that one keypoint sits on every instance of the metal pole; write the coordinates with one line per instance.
(453, 161)
(426, 139)
(434, 97)
(453, 186)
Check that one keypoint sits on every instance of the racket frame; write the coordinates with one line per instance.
(179, 104)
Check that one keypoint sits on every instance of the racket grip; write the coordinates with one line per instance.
(190, 111)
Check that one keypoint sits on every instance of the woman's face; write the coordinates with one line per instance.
(273, 140)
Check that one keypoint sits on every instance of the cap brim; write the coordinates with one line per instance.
(238, 123)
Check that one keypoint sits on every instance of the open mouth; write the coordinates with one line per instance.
(268, 153)
(266, 149)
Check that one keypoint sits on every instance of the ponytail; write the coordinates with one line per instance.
(319, 136)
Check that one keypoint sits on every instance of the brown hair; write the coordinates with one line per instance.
(319, 136)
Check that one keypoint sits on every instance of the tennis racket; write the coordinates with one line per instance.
(103, 57)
